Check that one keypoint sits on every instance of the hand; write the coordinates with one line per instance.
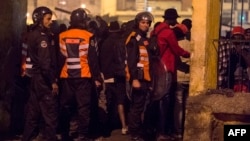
(97, 83)
(186, 55)
(136, 83)
(54, 89)
(99, 86)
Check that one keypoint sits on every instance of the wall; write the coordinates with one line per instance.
(13, 21)
(203, 60)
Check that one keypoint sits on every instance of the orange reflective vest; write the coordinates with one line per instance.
(143, 57)
(74, 44)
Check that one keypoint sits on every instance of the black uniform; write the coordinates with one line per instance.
(138, 95)
(42, 104)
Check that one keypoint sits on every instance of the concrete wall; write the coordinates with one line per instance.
(13, 21)
(204, 57)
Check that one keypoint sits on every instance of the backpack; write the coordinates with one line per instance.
(160, 77)
(153, 45)
(121, 53)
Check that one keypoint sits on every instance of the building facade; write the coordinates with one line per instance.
(121, 10)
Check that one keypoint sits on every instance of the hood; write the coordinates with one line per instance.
(160, 26)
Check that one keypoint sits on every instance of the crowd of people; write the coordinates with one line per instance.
(65, 72)
(233, 53)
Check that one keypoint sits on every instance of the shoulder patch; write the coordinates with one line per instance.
(44, 44)
(138, 37)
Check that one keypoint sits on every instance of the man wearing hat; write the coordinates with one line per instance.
(171, 15)
(169, 51)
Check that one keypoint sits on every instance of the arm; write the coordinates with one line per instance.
(94, 62)
(132, 58)
(173, 43)
(44, 58)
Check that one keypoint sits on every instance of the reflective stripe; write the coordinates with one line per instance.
(64, 53)
(73, 60)
(110, 80)
(82, 53)
(144, 58)
(72, 41)
(85, 46)
(24, 52)
(29, 66)
(140, 65)
(63, 46)
(28, 59)
(138, 37)
(143, 51)
(74, 66)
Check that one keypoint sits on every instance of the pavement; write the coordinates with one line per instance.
(115, 136)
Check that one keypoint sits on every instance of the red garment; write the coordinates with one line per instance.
(169, 48)
(240, 88)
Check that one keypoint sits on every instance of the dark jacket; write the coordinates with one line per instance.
(107, 55)
(133, 55)
(39, 48)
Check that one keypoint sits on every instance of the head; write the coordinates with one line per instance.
(79, 18)
(180, 31)
(247, 34)
(188, 23)
(42, 16)
(114, 27)
(143, 20)
(171, 15)
(123, 26)
(237, 34)
(93, 26)
(62, 27)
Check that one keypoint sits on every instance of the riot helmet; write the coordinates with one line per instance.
(38, 14)
(78, 17)
(143, 16)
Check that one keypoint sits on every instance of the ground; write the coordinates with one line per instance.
(115, 136)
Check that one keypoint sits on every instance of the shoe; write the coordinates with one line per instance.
(125, 131)
(178, 137)
(164, 138)
(136, 139)
(83, 138)
(100, 139)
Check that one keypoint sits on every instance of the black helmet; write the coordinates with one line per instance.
(144, 16)
(78, 16)
(39, 12)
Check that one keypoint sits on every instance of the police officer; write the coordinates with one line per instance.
(42, 104)
(138, 72)
(81, 68)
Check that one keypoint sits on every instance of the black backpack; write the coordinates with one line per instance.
(153, 45)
